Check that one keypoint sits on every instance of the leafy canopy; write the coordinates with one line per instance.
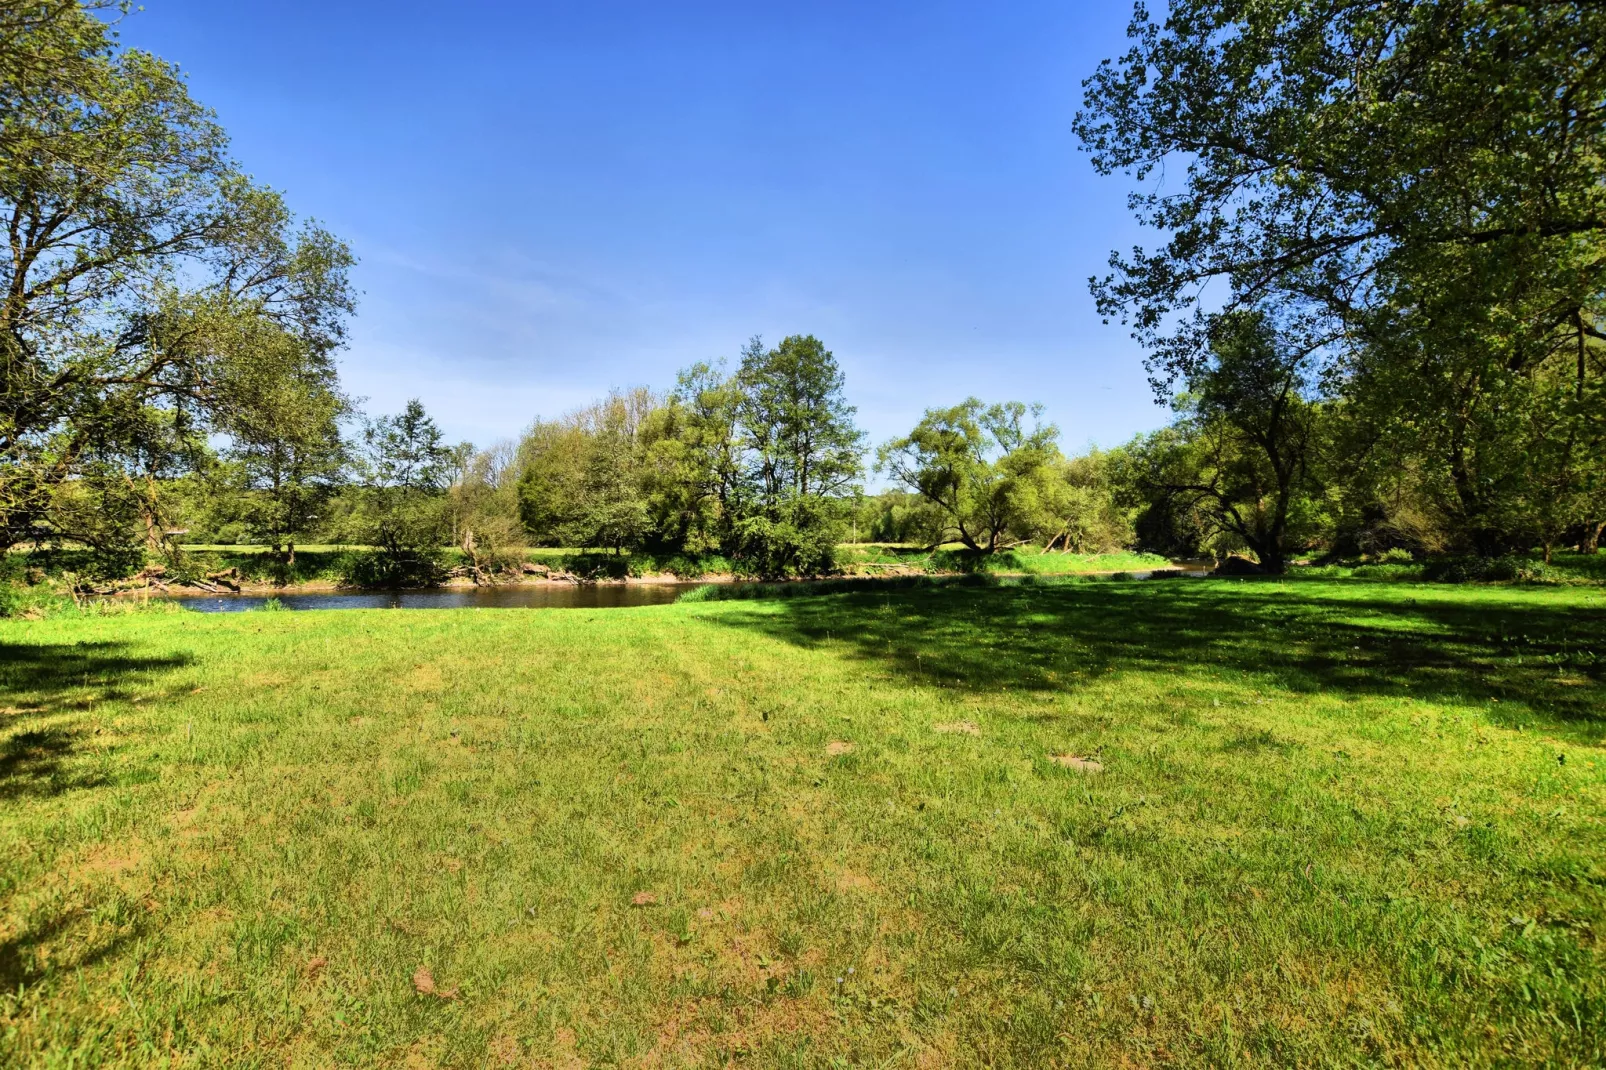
(136, 250)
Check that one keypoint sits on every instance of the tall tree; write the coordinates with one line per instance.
(405, 464)
(799, 425)
(1413, 185)
(804, 455)
(132, 243)
(583, 482)
(286, 453)
(695, 465)
(407, 451)
(1249, 436)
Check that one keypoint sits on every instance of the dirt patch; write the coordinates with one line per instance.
(963, 728)
(1077, 762)
(504, 1049)
(644, 899)
(107, 862)
(563, 1049)
(424, 985)
(849, 881)
(425, 678)
(837, 747)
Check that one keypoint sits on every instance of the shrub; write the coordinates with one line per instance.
(1507, 569)
(795, 545)
(394, 566)
(29, 601)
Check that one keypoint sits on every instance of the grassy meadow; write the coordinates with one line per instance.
(1172, 823)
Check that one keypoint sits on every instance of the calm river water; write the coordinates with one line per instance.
(534, 596)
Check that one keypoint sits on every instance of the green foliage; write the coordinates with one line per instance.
(801, 459)
(987, 471)
(583, 477)
(404, 560)
(1084, 500)
(758, 465)
(1236, 466)
(897, 516)
(1413, 190)
(142, 267)
(286, 457)
(406, 452)
(31, 601)
(400, 511)
(1506, 569)
(795, 537)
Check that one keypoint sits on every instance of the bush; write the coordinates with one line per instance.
(1507, 569)
(797, 545)
(393, 566)
(691, 566)
(31, 601)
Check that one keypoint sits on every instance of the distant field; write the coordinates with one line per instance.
(1166, 823)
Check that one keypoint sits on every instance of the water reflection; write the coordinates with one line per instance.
(534, 596)
(546, 596)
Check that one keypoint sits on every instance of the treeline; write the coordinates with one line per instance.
(1404, 351)
(762, 466)
(1382, 271)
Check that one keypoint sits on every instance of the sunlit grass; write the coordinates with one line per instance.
(1336, 823)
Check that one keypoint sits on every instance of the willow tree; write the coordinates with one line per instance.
(990, 471)
(135, 249)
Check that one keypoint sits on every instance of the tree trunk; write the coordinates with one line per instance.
(1591, 543)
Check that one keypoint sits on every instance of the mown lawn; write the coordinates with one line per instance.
(1336, 824)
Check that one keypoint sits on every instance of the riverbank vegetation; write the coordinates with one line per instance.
(172, 331)
(1257, 823)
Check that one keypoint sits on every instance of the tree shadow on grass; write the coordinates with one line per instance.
(1543, 662)
(21, 967)
(38, 683)
(35, 763)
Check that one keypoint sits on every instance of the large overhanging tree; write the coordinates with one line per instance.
(1413, 192)
(134, 252)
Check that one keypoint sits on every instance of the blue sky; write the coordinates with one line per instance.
(549, 200)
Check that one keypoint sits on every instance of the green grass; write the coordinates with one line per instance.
(1337, 824)
(1565, 567)
(1027, 560)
